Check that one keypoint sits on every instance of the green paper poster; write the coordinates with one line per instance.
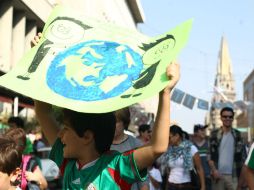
(91, 66)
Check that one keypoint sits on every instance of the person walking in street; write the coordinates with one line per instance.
(201, 142)
(123, 142)
(227, 151)
(247, 173)
(182, 157)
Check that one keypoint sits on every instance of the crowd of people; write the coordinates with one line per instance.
(26, 171)
(217, 159)
(94, 152)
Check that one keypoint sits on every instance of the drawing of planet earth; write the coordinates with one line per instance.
(94, 70)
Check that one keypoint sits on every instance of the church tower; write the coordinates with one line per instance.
(224, 85)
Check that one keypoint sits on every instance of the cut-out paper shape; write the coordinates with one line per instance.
(189, 101)
(177, 96)
(91, 66)
(216, 105)
(203, 104)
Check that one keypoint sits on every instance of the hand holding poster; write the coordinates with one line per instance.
(91, 66)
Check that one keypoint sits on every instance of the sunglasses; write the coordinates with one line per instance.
(227, 116)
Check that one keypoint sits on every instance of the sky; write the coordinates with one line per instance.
(233, 19)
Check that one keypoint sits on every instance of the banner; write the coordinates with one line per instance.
(181, 97)
(202, 104)
(189, 101)
(177, 96)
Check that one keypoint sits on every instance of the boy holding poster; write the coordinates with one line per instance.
(81, 147)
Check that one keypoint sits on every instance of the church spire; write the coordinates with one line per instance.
(224, 77)
(224, 63)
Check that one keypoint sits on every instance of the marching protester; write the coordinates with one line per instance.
(81, 147)
(123, 142)
(10, 160)
(18, 122)
(182, 158)
(249, 164)
(201, 142)
(227, 152)
(31, 175)
(247, 173)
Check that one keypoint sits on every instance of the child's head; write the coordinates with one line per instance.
(145, 132)
(14, 122)
(102, 126)
(122, 120)
(123, 115)
(10, 160)
(19, 136)
(144, 128)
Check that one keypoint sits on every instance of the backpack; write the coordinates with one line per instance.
(28, 164)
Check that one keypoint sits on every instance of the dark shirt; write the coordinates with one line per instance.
(203, 151)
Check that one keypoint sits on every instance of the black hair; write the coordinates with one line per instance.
(227, 109)
(102, 125)
(10, 157)
(143, 128)
(17, 120)
(186, 135)
(175, 129)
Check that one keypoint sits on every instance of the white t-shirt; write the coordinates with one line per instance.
(177, 172)
(156, 174)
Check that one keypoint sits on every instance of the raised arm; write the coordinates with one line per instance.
(145, 156)
(47, 120)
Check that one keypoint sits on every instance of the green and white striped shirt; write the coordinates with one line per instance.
(250, 159)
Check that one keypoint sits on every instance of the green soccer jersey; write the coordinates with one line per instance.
(250, 159)
(29, 146)
(112, 171)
